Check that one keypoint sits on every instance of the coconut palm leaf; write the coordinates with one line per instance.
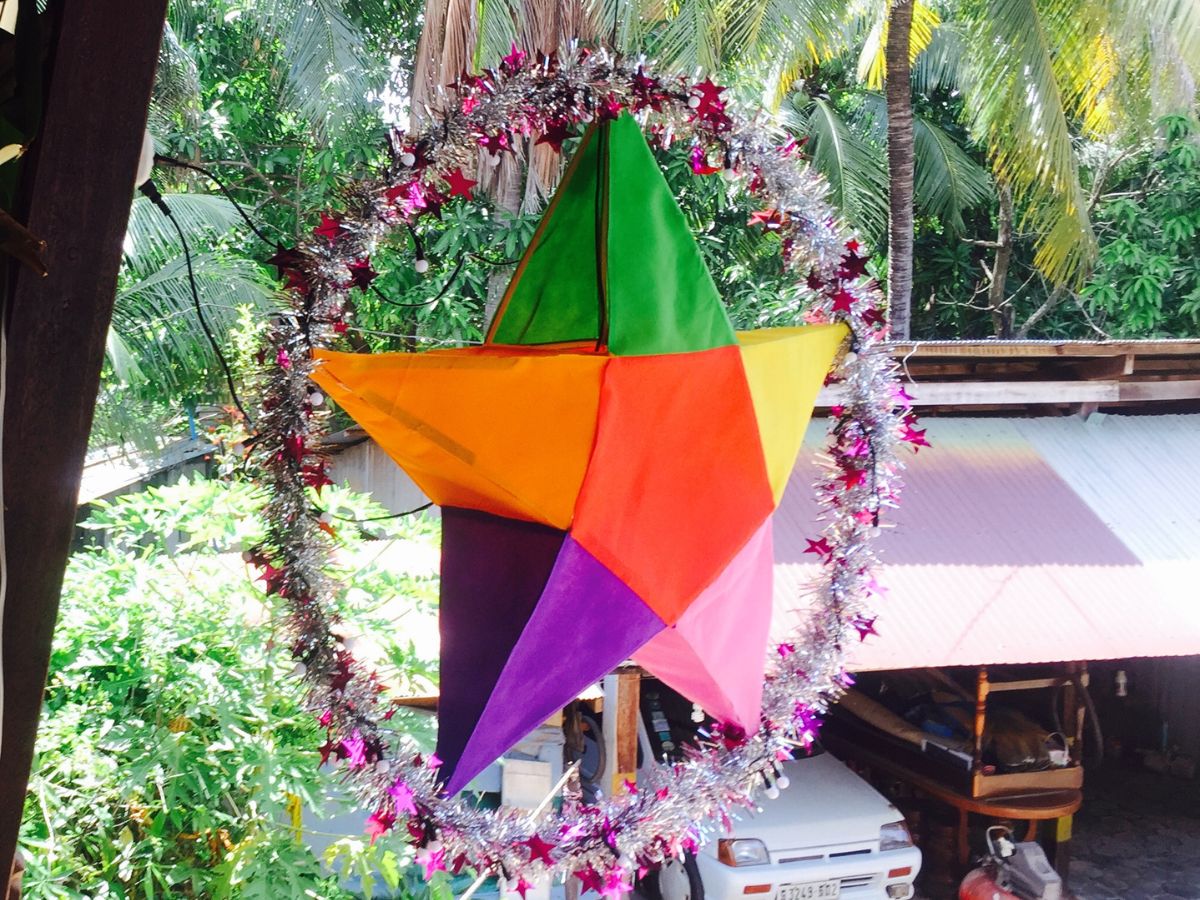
(158, 336)
(871, 61)
(853, 166)
(1018, 111)
(947, 182)
(940, 66)
(150, 239)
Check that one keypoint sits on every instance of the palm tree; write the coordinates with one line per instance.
(901, 166)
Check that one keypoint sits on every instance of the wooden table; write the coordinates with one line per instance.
(1033, 807)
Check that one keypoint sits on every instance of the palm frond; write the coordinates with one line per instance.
(327, 81)
(940, 66)
(1018, 112)
(783, 28)
(871, 61)
(947, 181)
(176, 94)
(150, 239)
(1180, 19)
(854, 167)
(158, 336)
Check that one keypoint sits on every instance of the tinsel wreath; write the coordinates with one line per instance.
(674, 809)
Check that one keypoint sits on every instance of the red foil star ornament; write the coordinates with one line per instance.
(820, 548)
(843, 300)
(460, 185)
(331, 227)
(361, 274)
(700, 164)
(513, 60)
(379, 824)
(539, 850)
(554, 134)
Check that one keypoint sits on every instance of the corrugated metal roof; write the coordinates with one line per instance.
(1028, 540)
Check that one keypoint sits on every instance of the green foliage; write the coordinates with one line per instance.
(174, 756)
(1147, 283)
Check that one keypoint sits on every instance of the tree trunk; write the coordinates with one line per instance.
(1002, 317)
(898, 92)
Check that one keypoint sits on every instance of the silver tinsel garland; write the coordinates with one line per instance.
(674, 808)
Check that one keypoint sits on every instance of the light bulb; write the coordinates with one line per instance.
(145, 160)
(407, 159)
(694, 102)
(422, 266)
(783, 782)
(316, 398)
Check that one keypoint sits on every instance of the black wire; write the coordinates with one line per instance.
(399, 515)
(180, 164)
(153, 194)
(440, 294)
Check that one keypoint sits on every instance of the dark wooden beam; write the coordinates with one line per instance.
(77, 187)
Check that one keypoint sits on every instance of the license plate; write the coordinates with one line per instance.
(814, 890)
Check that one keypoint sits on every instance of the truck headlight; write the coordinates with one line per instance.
(742, 852)
(894, 836)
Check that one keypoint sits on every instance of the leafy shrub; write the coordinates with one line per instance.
(174, 757)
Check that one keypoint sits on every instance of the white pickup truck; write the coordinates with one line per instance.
(828, 836)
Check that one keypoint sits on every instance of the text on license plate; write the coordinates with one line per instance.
(814, 890)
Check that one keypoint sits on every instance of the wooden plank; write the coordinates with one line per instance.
(1025, 393)
(1140, 391)
(1107, 368)
(1015, 349)
(77, 183)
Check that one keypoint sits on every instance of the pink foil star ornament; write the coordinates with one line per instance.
(431, 858)
(402, 796)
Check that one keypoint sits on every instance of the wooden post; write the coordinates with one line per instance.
(77, 184)
(622, 700)
(981, 695)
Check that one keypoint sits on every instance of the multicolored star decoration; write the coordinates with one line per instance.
(607, 464)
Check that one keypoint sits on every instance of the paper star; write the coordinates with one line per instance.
(708, 93)
(326, 750)
(539, 850)
(769, 218)
(431, 860)
(460, 184)
(514, 59)
(522, 886)
(285, 258)
(616, 884)
(852, 478)
(565, 451)
(913, 436)
(700, 164)
(864, 626)
(495, 143)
